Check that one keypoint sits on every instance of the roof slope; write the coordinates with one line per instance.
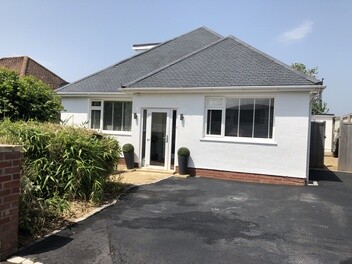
(112, 78)
(25, 66)
(227, 62)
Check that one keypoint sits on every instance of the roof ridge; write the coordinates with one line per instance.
(29, 58)
(165, 42)
(24, 66)
(307, 77)
(173, 63)
(136, 55)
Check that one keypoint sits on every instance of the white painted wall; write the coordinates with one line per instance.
(75, 111)
(329, 129)
(285, 155)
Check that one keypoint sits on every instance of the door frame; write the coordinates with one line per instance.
(168, 135)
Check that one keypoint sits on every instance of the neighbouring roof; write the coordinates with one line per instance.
(25, 66)
(200, 58)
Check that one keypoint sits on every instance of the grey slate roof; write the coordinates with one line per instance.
(111, 79)
(227, 62)
(200, 58)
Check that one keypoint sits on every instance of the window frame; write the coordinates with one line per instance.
(222, 136)
(101, 109)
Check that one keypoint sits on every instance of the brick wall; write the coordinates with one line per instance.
(245, 177)
(10, 159)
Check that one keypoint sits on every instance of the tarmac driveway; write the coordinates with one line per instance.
(212, 221)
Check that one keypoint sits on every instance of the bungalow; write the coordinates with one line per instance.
(243, 114)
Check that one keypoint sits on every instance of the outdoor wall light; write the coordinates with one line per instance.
(135, 115)
(181, 117)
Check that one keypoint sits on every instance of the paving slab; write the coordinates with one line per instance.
(140, 177)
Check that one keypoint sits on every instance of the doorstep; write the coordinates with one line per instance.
(144, 176)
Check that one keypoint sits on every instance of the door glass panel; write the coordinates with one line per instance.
(158, 134)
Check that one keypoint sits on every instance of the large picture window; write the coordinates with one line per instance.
(241, 117)
(111, 115)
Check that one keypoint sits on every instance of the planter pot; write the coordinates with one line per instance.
(129, 160)
(183, 165)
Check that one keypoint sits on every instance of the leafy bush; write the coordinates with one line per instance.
(183, 151)
(64, 161)
(60, 164)
(25, 98)
(128, 148)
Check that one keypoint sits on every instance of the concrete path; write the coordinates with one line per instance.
(140, 177)
(213, 221)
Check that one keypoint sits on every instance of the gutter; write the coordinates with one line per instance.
(303, 88)
(126, 91)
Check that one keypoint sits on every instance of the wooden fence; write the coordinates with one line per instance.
(317, 140)
(345, 147)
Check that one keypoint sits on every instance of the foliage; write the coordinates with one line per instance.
(318, 106)
(36, 213)
(183, 151)
(63, 161)
(25, 98)
(60, 164)
(302, 68)
(128, 148)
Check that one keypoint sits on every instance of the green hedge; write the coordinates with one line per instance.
(60, 163)
(62, 160)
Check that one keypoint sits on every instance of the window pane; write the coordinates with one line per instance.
(231, 123)
(127, 116)
(95, 119)
(96, 103)
(271, 123)
(107, 122)
(117, 116)
(261, 123)
(214, 122)
(246, 117)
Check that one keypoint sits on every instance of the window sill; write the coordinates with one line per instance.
(235, 140)
(116, 133)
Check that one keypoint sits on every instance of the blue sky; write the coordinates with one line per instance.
(77, 38)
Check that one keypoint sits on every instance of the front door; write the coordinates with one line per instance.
(157, 138)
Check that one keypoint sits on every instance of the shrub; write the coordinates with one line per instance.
(64, 161)
(59, 164)
(128, 148)
(25, 98)
(183, 151)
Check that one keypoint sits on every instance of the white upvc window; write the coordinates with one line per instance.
(108, 115)
(239, 117)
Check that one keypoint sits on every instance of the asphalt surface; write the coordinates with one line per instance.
(202, 220)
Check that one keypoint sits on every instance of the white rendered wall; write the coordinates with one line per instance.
(77, 113)
(328, 129)
(285, 155)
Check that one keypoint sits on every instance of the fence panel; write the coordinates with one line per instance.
(345, 147)
(317, 141)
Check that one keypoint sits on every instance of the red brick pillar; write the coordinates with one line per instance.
(10, 159)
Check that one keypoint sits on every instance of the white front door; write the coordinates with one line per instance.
(157, 154)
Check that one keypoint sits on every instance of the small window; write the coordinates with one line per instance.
(115, 115)
(96, 103)
(214, 122)
(95, 119)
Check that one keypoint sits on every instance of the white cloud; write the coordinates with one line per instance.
(297, 33)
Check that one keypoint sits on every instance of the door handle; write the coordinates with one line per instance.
(166, 139)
